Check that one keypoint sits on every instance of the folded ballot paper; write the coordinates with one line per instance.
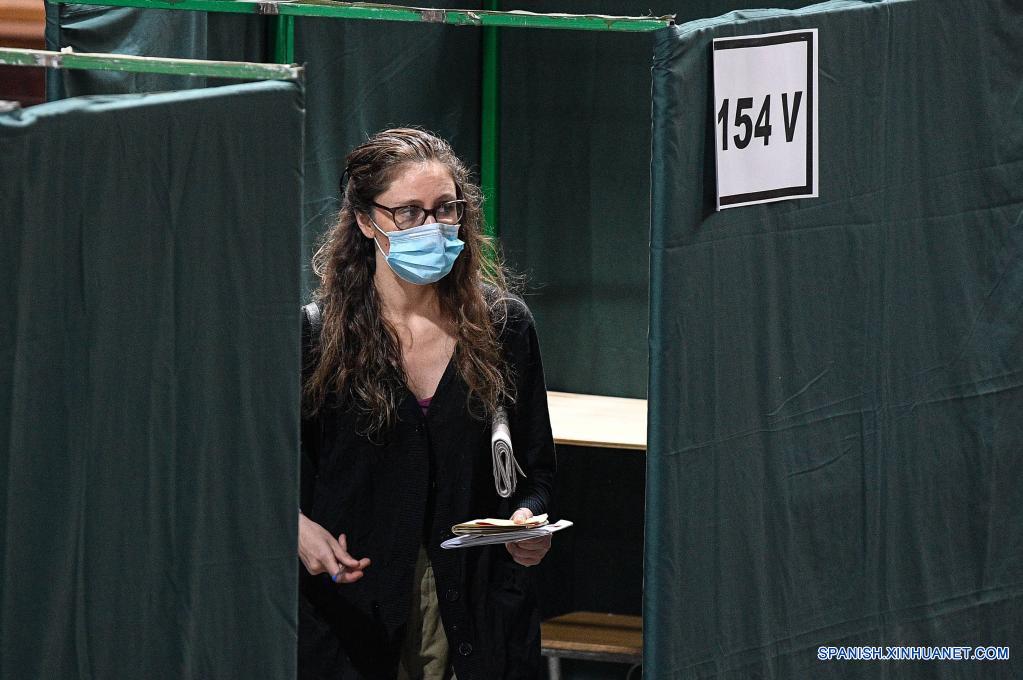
(489, 531)
(496, 526)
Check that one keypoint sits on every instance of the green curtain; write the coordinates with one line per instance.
(574, 145)
(365, 76)
(575, 187)
(836, 384)
(149, 369)
(149, 33)
(361, 77)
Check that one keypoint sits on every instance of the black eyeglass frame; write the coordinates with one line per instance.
(426, 213)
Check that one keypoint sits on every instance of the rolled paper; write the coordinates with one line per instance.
(505, 465)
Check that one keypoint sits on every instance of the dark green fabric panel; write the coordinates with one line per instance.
(149, 369)
(575, 188)
(836, 383)
(150, 33)
(362, 76)
(575, 143)
(365, 76)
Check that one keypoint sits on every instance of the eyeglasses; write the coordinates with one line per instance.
(409, 216)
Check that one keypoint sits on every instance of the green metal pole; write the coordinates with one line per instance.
(383, 12)
(490, 123)
(132, 64)
(283, 41)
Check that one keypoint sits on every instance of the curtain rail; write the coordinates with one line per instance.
(381, 12)
(178, 67)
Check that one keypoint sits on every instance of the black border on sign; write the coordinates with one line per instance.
(798, 36)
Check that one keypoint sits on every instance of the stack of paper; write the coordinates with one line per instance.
(506, 534)
(490, 526)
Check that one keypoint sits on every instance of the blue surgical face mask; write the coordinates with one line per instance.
(423, 254)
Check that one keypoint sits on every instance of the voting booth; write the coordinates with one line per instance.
(780, 313)
(148, 384)
(835, 382)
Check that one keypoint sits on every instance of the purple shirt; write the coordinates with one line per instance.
(424, 404)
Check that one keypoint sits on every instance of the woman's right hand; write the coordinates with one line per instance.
(322, 554)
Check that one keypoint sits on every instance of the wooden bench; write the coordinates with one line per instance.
(22, 25)
(592, 636)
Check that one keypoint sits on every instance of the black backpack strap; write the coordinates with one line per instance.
(312, 324)
(312, 314)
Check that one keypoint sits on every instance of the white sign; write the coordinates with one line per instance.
(765, 114)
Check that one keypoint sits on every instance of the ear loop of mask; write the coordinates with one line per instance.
(377, 227)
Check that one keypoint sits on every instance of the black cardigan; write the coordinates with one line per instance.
(406, 489)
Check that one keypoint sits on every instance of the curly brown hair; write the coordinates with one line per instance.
(358, 355)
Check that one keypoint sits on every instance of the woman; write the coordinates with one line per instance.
(417, 348)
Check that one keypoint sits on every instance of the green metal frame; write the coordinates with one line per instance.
(489, 123)
(282, 38)
(176, 67)
(373, 11)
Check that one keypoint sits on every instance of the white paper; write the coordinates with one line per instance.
(494, 522)
(471, 541)
(765, 117)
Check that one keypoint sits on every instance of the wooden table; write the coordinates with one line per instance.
(593, 420)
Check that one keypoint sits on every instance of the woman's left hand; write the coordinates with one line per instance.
(529, 552)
